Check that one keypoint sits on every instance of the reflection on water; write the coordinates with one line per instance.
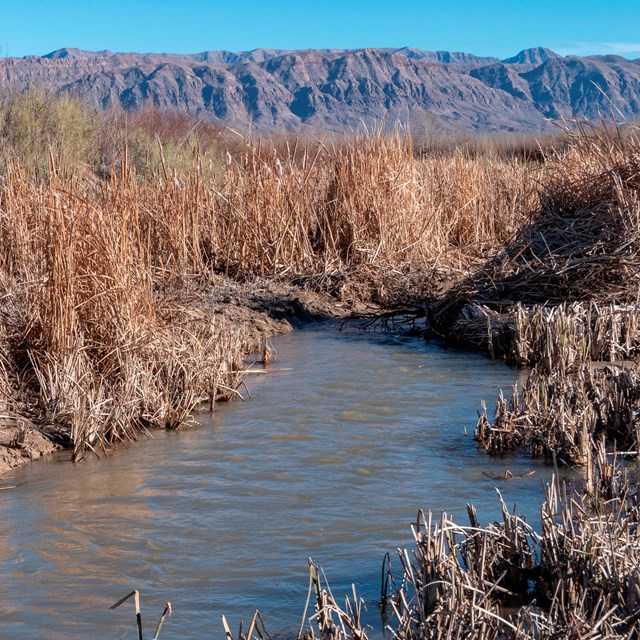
(331, 458)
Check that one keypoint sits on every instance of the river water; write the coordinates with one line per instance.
(341, 443)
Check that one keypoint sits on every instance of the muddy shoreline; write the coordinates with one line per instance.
(260, 307)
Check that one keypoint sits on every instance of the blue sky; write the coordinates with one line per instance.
(491, 27)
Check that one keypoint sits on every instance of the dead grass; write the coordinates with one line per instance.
(370, 204)
(576, 577)
(582, 241)
(94, 344)
(94, 340)
(91, 342)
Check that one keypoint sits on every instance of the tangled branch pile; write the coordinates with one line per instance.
(583, 241)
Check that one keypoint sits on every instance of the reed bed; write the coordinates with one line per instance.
(563, 297)
(564, 413)
(583, 242)
(93, 348)
(565, 336)
(577, 577)
(553, 337)
(91, 265)
(370, 203)
(582, 246)
(579, 243)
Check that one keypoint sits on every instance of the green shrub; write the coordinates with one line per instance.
(36, 126)
(155, 141)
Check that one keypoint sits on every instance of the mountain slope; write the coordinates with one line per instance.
(340, 90)
(536, 55)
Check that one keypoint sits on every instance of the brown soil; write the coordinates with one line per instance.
(263, 308)
(21, 443)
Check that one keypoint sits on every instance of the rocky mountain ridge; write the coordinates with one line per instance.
(342, 90)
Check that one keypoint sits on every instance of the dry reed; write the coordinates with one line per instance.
(564, 336)
(564, 413)
(90, 264)
(577, 577)
(91, 343)
(370, 202)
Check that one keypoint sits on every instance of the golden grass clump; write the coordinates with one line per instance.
(374, 202)
(369, 205)
(101, 354)
(265, 214)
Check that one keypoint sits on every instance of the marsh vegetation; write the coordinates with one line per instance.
(115, 228)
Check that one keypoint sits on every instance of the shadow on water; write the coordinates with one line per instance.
(344, 439)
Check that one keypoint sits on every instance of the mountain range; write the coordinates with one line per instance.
(342, 90)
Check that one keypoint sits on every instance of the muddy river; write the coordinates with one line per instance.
(342, 441)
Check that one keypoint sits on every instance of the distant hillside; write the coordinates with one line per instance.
(338, 90)
(536, 56)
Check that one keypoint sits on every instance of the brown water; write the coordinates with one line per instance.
(331, 458)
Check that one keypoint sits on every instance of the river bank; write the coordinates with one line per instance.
(129, 299)
(123, 307)
(258, 309)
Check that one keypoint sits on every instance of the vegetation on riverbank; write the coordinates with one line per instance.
(562, 297)
(577, 577)
(107, 241)
(118, 232)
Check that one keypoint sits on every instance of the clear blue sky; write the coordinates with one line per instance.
(489, 27)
